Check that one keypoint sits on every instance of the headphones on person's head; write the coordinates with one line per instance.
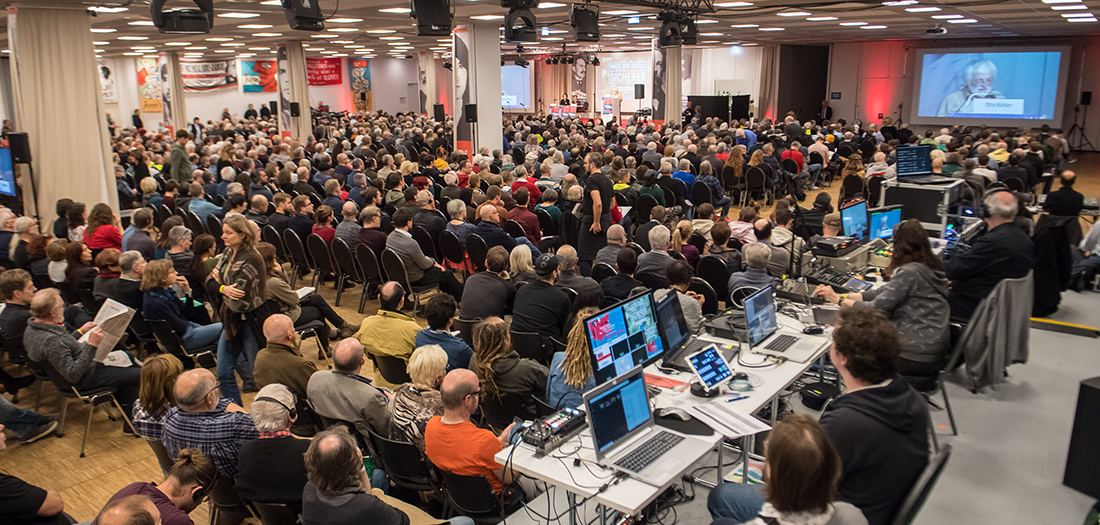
(291, 410)
(983, 210)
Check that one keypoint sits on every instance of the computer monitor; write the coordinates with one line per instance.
(623, 337)
(7, 173)
(760, 315)
(883, 222)
(913, 161)
(673, 324)
(618, 409)
(854, 219)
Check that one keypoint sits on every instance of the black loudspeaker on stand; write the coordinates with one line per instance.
(440, 115)
(639, 91)
(470, 111)
(295, 109)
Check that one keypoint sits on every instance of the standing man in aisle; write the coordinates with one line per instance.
(181, 164)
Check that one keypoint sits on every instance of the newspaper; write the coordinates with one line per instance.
(113, 318)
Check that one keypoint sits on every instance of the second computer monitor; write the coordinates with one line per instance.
(854, 219)
(883, 223)
(623, 336)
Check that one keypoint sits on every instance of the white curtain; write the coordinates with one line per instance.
(301, 126)
(674, 85)
(767, 103)
(57, 101)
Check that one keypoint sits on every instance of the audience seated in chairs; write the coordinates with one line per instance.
(780, 260)
(490, 293)
(744, 228)
(720, 238)
(156, 395)
(570, 373)
(616, 240)
(757, 256)
(301, 310)
(181, 492)
(47, 339)
(619, 286)
(541, 307)
(422, 270)
(187, 317)
(520, 265)
(418, 401)
(272, 467)
(500, 368)
(679, 279)
(802, 468)
(339, 491)
(656, 260)
(915, 299)
(456, 445)
(971, 274)
(681, 237)
(281, 361)
(125, 289)
(345, 395)
(389, 332)
(79, 274)
(206, 421)
(569, 277)
(440, 313)
(16, 289)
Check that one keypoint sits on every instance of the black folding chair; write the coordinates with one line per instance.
(713, 270)
(89, 302)
(322, 259)
(296, 251)
(471, 496)
(346, 269)
(214, 226)
(700, 194)
(546, 222)
(923, 488)
(699, 242)
(451, 249)
(514, 229)
(397, 271)
(465, 329)
(405, 466)
(371, 268)
(529, 345)
(755, 181)
(477, 249)
(275, 513)
(602, 271)
(271, 235)
(173, 344)
(643, 208)
(424, 239)
(710, 298)
(91, 397)
(393, 369)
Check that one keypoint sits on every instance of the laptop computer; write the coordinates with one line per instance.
(626, 438)
(679, 341)
(768, 338)
(623, 336)
(914, 165)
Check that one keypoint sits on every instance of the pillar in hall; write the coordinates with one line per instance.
(476, 74)
(171, 89)
(674, 85)
(425, 64)
(57, 100)
(293, 87)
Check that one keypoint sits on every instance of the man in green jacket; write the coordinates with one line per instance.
(181, 164)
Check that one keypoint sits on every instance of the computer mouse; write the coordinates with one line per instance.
(673, 412)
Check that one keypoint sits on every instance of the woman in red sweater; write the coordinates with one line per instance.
(104, 229)
(323, 226)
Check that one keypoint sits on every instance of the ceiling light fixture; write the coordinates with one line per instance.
(771, 29)
(133, 38)
(945, 17)
(193, 48)
(922, 9)
(1078, 15)
(103, 30)
(344, 20)
(488, 17)
(744, 26)
(219, 39)
(821, 18)
(1061, 1)
(794, 13)
(266, 34)
(343, 29)
(872, 27)
(380, 31)
(733, 4)
(620, 12)
(1081, 20)
(1068, 7)
(850, 24)
(141, 23)
(100, 43)
(397, 10)
(255, 26)
(963, 21)
(101, 9)
(177, 43)
(391, 38)
(550, 5)
(236, 14)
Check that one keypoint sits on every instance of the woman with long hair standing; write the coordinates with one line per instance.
(571, 370)
(241, 279)
(502, 371)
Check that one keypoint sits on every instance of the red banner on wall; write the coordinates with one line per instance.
(324, 71)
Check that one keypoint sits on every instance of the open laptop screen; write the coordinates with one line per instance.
(674, 328)
(623, 336)
(618, 410)
(760, 315)
(913, 160)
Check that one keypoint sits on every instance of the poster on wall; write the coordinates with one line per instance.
(658, 96)
(165, 92)
(464, 131)
(423, 62)
(360, 84)
(258, 76)
(578, 86)
(324, 71)
(208, 75)
(284, 92)
(107, 83)
(621, 74)
(148, 77)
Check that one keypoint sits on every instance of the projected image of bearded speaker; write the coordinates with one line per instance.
(976, 81)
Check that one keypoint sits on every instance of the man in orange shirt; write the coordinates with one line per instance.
(455, 444)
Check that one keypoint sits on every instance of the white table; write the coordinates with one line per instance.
(630, 496)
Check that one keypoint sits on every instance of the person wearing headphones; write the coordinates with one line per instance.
(272, 467)
(1003, 252)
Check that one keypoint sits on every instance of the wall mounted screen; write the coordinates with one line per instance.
(998, 86)
(515, 87)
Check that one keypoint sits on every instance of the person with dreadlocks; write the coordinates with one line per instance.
(571, 370)
(501, 371)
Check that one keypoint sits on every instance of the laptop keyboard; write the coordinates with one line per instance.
(781, 343)
(652, 449)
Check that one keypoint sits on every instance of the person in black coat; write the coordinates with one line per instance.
(1004, 252)
(1066, 201)
(273, 468)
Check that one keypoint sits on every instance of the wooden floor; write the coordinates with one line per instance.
(114, 460)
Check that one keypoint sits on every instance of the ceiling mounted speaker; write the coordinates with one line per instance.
(433, 17)
(304, 15)
(187, 21)
(519, 26)
(678, 29)
(585, 23)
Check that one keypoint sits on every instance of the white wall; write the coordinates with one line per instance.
(390, 78)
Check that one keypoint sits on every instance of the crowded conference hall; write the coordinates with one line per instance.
(619, 262)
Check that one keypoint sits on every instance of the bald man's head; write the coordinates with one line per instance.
(131, 510)
(1068, 178)
(391, 296)
(193, 387)
(348, 356)
(457, 385)
(567, 255)
(485, 213)
(279, 329)
(616, 234)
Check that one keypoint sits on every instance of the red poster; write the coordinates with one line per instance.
(324, 71)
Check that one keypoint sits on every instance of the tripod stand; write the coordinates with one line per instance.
(1079, 129)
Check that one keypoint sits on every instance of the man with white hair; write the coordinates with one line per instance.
(616, 240)
(272, 467)
(651, 155)
(656, 261)
(127, 288)
(558, 169)
(757, 256)
(1003, 252)
(450, 189)
(229, 174)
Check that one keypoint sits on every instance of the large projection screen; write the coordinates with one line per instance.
(999, 86)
